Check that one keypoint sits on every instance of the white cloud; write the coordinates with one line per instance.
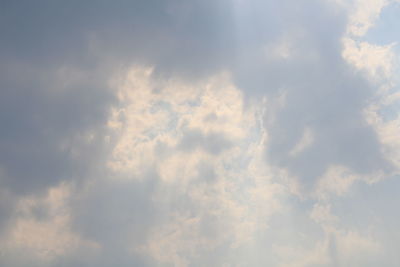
(220, 193)
(376, 60)
(364, 14)
(204, 133)
(41, 229)
(305, 141)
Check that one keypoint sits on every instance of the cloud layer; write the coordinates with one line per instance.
(198, 133)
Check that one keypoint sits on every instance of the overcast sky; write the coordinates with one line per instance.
(199, 133)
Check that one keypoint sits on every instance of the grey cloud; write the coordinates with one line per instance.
(333, 109)
(104, 210)
(96, 40)
(117, 215)
(56, 58)
(372, 206)
(213, 143)
(322, 91)
(175, 36)
(206, 173)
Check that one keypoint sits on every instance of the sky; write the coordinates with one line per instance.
(199, 133)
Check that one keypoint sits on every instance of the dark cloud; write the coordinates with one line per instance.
(322, 91)
(56, 61)
(116, 215)
(213, 143)
(333, 108)
(57, 58)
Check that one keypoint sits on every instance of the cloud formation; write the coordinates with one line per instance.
(197, 133)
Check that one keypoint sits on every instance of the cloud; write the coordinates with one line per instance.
(193, 133)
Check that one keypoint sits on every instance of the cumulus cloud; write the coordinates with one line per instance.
(197, 133)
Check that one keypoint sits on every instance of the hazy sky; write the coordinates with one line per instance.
(199, 133)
